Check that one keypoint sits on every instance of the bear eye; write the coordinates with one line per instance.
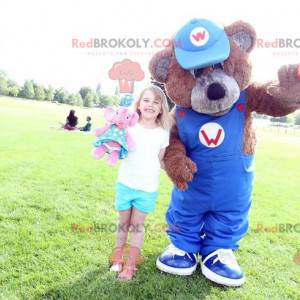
(218, 66)
(196, 73)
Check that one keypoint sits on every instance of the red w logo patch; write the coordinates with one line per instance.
(199, 36)
(212, 141)
(211, 134)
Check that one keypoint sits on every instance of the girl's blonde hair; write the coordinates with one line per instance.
(163, 119)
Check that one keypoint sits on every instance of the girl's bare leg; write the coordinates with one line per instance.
(123, 226)
(137, 228)
(122, 234)
(137, 238)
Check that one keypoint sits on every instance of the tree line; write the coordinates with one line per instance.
(86, 96)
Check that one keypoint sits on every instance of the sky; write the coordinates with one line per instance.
(36, 36)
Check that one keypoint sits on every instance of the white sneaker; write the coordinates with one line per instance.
(222, 267)
(176, 261)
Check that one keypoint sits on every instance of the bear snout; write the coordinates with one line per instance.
(215, 91)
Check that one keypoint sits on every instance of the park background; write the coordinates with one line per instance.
(56, 203)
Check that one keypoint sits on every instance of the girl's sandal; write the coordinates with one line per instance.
(127, 273)
(129, 269)
(117, 258)
(116, 267)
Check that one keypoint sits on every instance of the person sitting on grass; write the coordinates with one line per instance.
(88, 125)
(71, 121)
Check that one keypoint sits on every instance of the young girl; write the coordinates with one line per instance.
(137, 184)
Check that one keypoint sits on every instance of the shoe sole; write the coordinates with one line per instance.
(220, 279)
(175, 271)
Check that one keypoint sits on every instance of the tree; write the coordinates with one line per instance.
(106, 100)
(3, 87)
(114, 100)
(61, 95)
(71, 99)
(117, 93)
(88, 101)
(75, 99)
(91, 99)
(297, 119)
(49, 93)
(39, 92)
(98, 89)
(13, 88)
(3, 75)
(103, 101)
(14, 91)
(283, 119)
(79, 100)
(84, 91)
(28, 90)
(96, 97)
(11, 83)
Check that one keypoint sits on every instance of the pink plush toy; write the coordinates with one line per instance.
(114, 137)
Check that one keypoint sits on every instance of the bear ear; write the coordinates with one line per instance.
(159, 65)
(243, 34)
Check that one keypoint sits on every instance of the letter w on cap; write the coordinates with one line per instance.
(199, 36)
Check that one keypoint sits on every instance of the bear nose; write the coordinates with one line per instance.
(215, 91)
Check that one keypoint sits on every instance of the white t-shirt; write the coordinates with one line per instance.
(141, 168)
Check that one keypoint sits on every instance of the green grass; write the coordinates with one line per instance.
(48, 181)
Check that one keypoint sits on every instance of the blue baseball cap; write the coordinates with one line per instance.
(200, 43)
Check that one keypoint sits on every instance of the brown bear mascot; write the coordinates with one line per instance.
(207, 73)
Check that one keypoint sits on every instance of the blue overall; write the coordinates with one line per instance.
(213, 212)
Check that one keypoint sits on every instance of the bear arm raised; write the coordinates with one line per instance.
(278, 98)
(261, 101)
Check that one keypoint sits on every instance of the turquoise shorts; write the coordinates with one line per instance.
(127, 197)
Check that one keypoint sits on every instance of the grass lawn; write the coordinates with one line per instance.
(57, 217)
